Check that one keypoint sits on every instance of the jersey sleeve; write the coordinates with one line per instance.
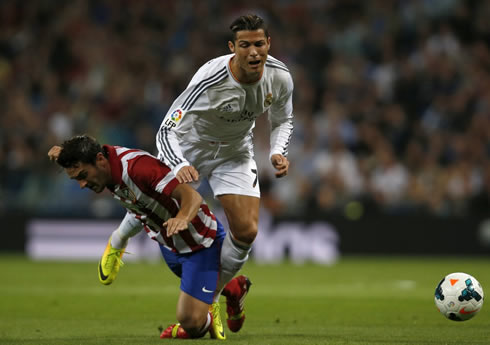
(169, 151)
(179, 119)
(281, 118)
(176, 120)
(151, 175)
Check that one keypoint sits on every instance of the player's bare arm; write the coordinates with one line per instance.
(281, 164)
(190, 201)
(187, 174)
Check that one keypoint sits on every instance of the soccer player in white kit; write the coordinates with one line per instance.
(208, 132)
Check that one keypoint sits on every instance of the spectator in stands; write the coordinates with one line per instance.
(399, 73)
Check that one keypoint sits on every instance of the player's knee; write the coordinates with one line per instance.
(192, 323)
(189, 320)
(245, 231)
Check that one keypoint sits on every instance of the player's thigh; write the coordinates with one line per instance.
(200, 272)
(191, 309)
(235, 176)
(172, 259)
(242, 212)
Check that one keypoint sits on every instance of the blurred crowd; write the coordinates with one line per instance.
(392, 98)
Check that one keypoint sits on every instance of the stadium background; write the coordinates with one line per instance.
(390, 152)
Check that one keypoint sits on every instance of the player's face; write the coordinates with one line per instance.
(91, 176)
(251, 49)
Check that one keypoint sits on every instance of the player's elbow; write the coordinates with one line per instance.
(195, 202)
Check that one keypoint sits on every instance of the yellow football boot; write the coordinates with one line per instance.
(110, 263)
(216, 329)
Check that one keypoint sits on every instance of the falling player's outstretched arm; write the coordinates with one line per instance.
(189, 201)
(151, 176)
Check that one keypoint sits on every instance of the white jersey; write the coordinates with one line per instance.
(217, 108)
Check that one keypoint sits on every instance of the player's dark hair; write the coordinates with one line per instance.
(249, 22)
(79, 149)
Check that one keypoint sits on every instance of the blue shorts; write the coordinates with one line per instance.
(198, 271)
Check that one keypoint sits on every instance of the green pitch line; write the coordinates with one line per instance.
(360, 300)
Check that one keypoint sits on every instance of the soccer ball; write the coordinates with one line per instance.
(459, 296)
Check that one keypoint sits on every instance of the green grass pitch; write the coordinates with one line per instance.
(360, 300)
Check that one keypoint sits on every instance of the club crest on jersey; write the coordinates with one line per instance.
(268, 100)
(172, 120)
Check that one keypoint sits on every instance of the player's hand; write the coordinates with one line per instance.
(187, 174)
(281, 164)
(54, 153)
(174, 225)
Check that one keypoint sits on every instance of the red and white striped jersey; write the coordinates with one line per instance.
(143, 185)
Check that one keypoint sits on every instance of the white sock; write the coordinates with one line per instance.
(205, 328)
(233, 257)
(129, 227)
(118, 241)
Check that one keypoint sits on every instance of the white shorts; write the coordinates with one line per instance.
(229, 167)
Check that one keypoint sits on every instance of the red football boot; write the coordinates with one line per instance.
(174, 331)
(235, 292)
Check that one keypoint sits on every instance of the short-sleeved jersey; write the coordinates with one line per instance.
(216, 107)
(143, 185)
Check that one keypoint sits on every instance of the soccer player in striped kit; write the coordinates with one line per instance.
(208, 132)
(173, 214)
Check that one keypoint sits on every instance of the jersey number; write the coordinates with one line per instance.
(256, 177)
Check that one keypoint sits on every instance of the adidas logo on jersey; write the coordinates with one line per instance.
(228, 108)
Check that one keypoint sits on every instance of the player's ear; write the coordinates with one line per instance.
(231, 46)
(100, 157)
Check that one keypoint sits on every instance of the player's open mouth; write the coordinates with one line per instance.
(254, 63)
